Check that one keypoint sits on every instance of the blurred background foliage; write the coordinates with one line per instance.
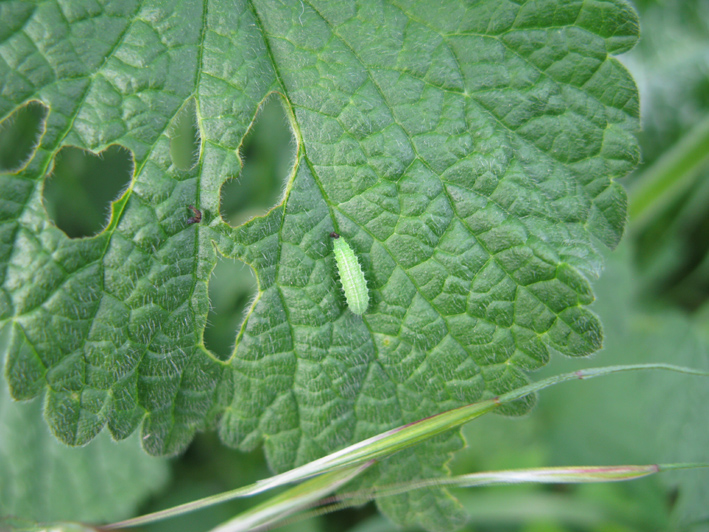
(671, 67)
(652, 301)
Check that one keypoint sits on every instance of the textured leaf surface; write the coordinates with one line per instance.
(44, 480)
(467, 153)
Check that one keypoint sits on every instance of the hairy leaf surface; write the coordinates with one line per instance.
(466, 152)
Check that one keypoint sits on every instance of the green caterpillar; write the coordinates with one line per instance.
(351, 276)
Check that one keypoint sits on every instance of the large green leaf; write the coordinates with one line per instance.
(467, 153)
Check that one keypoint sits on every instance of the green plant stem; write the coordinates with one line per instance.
(302, 496)
(669, 176)
(394, 440)
(542, 475)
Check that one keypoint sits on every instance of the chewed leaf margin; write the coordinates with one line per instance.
(469, 159)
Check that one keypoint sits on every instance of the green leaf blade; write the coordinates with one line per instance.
(467, 155)
(471, 178)
(112, 317)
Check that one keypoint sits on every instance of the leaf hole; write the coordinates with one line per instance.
(20, 134)
(185, 144)
(79, 191)
(232, 288)
(267, 152)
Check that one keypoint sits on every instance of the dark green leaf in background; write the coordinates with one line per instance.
(671, 65)
(646, 417)
(44, 480)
